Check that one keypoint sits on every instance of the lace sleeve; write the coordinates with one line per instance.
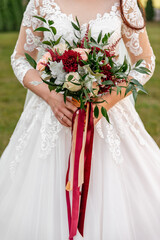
(27, 41)
(136, 41)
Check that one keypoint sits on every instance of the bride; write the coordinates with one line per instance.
(124, 192)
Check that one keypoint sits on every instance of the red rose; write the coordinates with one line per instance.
(70, 60)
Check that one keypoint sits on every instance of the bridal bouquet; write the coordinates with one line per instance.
(84, 70)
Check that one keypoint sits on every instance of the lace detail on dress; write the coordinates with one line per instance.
(28, 19)
(38, 116)
(49, 133)
(21, 136)
(32, 41)
(108, 133)
(134, 17)
(20, 66)
(133, 44)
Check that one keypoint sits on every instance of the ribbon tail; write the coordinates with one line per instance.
(87, 169)
(76, 189)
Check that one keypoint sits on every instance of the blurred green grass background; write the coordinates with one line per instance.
(12, 94)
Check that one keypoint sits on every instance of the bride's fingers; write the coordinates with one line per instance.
(67, 113)
(66, 121)
(71, 106)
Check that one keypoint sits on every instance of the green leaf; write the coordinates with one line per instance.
(136, 82)
(142, 89)
(47, 43)
(96, 111)
(75, 26)
(105, 114)
(128, 89)
(118, 90)
(108, 82)
(50, 22)
(97, 45)
(31, 61)
(53, 30)
(70, 77)
(40, 18)
(135, 93)
(76, 36)
(58, 40)
(142, 70)
(139, 62)
(49, 83)
(85, 43)
(105, 39)
(51, 88)
(93, 40)
(74, 43)
(41, 29)
(86, 94)
(99, 37)
(65, 95)
(89, 34)
(77, 22)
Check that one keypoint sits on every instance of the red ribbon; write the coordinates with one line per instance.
(77, 216)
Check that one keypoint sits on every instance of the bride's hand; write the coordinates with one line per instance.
(63, 111)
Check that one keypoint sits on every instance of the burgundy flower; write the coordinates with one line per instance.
(55, 56)
(70, 60)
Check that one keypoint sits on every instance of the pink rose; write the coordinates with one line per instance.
(41, 64)
(43, 61)
(47, 56)
(82, 52)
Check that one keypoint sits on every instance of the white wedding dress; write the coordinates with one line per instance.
(124, 192)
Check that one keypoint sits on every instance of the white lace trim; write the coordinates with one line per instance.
(32, 41)
(20, 66)
(49, 130)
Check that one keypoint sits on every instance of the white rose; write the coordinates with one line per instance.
(61, 47)
(69, 84)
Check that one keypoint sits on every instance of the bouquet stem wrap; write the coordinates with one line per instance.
(79, 167)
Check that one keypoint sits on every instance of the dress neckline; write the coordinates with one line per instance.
(98, 15)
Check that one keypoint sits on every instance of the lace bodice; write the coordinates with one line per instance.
(136, 41)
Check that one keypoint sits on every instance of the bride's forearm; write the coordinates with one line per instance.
(41, 90)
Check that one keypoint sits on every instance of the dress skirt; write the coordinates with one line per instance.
(124, 192)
